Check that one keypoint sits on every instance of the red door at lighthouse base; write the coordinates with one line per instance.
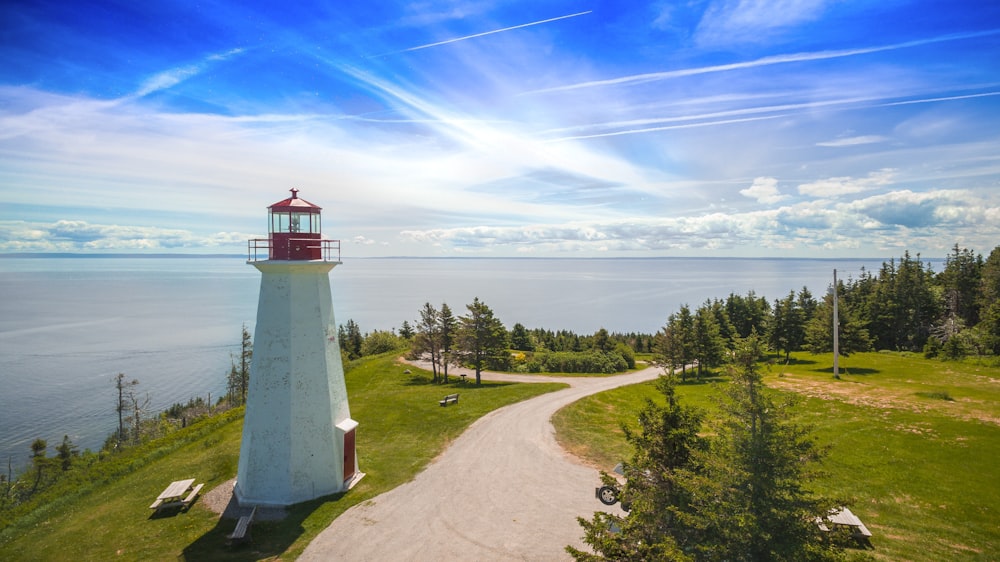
(349, 455)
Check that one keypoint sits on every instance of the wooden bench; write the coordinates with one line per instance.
(450, 399)
(194, 494)
(242, 531)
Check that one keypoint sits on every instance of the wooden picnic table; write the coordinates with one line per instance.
(175, 490)
(178, 493)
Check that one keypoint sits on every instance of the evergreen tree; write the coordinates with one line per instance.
(427, 343)
(351, 339)
(734, 491)
(961, 281)
(449, 326)
(674, 347)
(747, 313)
(668, 352)
(482, 339)
(405, 330)
(989, 301)
(853, 337)
(238, 380)
(66, 452)
(708, 347)
(786, 332)
(520, 339)
(749, 495)
(659, 505)
(726, 328)
(903, 307)
(602, 341)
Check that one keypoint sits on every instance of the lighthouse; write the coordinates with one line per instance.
(298, 436)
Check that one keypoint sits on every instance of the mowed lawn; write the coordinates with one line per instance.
(402, 428)
(914, 445)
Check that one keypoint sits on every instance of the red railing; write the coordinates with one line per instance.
(259, 249)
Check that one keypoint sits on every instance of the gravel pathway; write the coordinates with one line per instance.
(504, 490)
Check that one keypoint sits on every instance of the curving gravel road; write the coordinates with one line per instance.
(504, 490)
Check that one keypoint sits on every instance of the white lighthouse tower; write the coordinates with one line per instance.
(298, 435)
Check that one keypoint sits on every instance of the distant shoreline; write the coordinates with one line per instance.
(80, 255)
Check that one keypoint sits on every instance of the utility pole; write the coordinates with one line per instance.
(836, 331)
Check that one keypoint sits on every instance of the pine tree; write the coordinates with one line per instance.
(749, 493)
(482, 339)
(449, 326)
(67, 452)
(520, 339)
(659, 506)
(428, 340)
(708, 347)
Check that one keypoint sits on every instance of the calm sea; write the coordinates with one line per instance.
(68, 325)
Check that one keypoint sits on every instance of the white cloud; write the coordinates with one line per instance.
(938, 208)
(764, 190)
(742, 21)
(853, 141)
(82, 236)
(944, 216)
(839, 186)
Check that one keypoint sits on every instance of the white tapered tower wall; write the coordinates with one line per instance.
(293, 432)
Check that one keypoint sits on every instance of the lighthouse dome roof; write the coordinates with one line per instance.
(294, 203)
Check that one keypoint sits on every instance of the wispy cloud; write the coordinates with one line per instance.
(648, 143)
(853, 141)
(738, 21)
(485, 33)
(839, 186)
(170, 78)
(763, 61)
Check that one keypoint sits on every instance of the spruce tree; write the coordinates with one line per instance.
(749, 494)
(656, 525)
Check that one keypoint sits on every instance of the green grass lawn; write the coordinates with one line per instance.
(918, 468)
(402, 428)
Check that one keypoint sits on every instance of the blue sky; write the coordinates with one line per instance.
(789, 128)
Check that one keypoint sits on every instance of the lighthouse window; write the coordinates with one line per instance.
(295, 222)
(279, 222)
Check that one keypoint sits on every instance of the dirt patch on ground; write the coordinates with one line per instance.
(861, 394)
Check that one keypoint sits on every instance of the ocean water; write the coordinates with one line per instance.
(68, 325)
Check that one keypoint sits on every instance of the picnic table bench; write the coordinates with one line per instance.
(242, 531)
(179, 493)
(450, 399)
(843, 516)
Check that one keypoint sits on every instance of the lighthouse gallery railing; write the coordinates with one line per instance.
(259, 249)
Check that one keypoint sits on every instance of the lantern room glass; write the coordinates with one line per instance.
(292, 222)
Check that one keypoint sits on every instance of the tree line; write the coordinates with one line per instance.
(479, 340)
(905, 306)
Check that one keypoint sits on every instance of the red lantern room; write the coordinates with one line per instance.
(295, 232)
(294, 229)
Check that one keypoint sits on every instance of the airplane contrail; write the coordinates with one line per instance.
(765, 61)
(445, 42)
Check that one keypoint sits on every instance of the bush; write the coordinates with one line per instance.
(577, 362)
(379, 342)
